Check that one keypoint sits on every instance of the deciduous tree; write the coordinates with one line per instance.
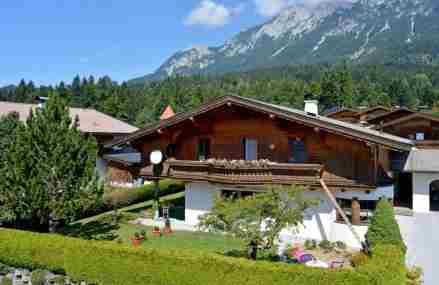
(258, 219)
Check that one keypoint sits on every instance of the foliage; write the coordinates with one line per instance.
(340, 245)
(258, 219)
(48, 172)
(384, 228)
(334, 86)
(121, 197)
(39, 277)
(8, 127)
(6, 281)
(310, 244)
(112, 264)
(414, 276)
(326, 245)
(359, 259)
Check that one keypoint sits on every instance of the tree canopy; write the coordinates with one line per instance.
(341, 85)
(258, 219)
(48, 169)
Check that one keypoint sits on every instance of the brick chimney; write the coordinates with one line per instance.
(168, 113)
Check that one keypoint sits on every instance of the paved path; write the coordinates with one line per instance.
(421, 234)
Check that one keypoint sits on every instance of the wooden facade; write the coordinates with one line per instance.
(347, 161)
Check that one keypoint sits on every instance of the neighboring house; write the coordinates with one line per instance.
(236, 146)
(355, 116)
(103, 127)
(416, 174)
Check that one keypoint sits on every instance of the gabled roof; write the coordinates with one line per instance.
(387, 116)
(373, 109)
(328, 124)
(334, 114)
(410, 117)
(90, 120)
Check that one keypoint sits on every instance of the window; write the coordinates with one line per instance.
(171, 150)
(203, 149)
(420, 136)
(298, 153)
(250, 149)
(236, 194)
(366, 212)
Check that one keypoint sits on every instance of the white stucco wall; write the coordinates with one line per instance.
(421, 191)
(319, 223)
(199, 199)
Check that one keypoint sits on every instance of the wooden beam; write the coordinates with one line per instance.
(356, 211)
(341, 212)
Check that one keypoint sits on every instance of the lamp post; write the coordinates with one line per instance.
(156, 159)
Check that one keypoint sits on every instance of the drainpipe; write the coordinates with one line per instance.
(341, 212)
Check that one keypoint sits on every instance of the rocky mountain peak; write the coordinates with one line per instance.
(360, 31)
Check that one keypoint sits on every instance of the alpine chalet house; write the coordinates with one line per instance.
(103, 127)
(239, 145)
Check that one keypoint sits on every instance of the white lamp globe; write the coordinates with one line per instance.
(156, 157)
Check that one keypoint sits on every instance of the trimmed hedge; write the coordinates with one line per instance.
(122, 197)
(383, 228)
(112, 264)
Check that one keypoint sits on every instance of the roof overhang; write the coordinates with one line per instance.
(330, 125)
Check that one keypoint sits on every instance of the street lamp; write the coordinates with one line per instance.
(156, 159)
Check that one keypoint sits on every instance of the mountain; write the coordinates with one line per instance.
(366, 31)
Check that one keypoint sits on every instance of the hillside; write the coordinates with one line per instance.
(367, 31)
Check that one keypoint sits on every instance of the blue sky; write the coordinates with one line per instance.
(52, 40)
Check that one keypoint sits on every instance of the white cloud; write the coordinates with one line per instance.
(211, 14)
(270, 8)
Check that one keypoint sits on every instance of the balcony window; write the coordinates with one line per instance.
(203, 149)
(250, 149)
(298, 153)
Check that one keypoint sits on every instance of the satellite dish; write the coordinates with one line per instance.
(156, 157)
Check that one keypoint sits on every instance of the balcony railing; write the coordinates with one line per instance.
(259, 172)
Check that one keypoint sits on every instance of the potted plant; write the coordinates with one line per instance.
(156, 231)
(167, 230)
(137, 239)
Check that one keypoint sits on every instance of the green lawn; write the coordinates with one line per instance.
(106, 227)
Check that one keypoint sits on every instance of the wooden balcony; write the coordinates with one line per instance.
(241, 173)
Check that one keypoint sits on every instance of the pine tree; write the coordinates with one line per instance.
(49, 170)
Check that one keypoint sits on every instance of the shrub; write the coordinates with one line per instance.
(6, 281)
(359, 259)
(414, 276)
(340, 245)
(60, 280)
(326, 245)
(121, 197)
(101, 262)
(4, 269)
(384, 228)
(310, 244)
(39, 277)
